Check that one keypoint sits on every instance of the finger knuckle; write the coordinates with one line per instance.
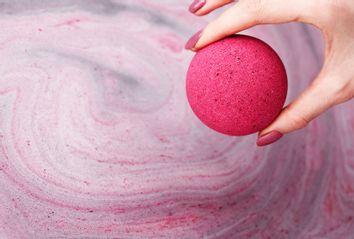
(333, 9)
(297, 120)
(344, 91)
(333, 6)
(300, 121)
(255, 7)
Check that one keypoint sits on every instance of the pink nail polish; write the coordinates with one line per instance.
(196, 5)
(193, 40)
(269, 138)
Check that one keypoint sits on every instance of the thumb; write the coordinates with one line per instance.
(317, 98)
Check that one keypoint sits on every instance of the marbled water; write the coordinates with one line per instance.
(97, 139)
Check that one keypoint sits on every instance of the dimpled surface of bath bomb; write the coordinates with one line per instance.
(237, 86)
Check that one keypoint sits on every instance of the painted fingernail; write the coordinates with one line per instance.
(196, 5)
(193, 40)
(269, 138)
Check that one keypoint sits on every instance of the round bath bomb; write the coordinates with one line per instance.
(237, 86)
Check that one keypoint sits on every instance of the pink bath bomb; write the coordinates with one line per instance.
(237, 86)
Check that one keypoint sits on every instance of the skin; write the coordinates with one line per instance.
(335, 18)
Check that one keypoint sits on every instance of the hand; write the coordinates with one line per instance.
(335, 82)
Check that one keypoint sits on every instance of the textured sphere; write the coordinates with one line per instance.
(237, 86)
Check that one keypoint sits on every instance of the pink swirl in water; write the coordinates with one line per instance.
(97, 139)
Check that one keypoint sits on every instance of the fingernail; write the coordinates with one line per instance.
(193, 40)
(196, 5)
(269, 138)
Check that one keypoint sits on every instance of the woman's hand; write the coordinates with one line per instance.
(335, 82)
